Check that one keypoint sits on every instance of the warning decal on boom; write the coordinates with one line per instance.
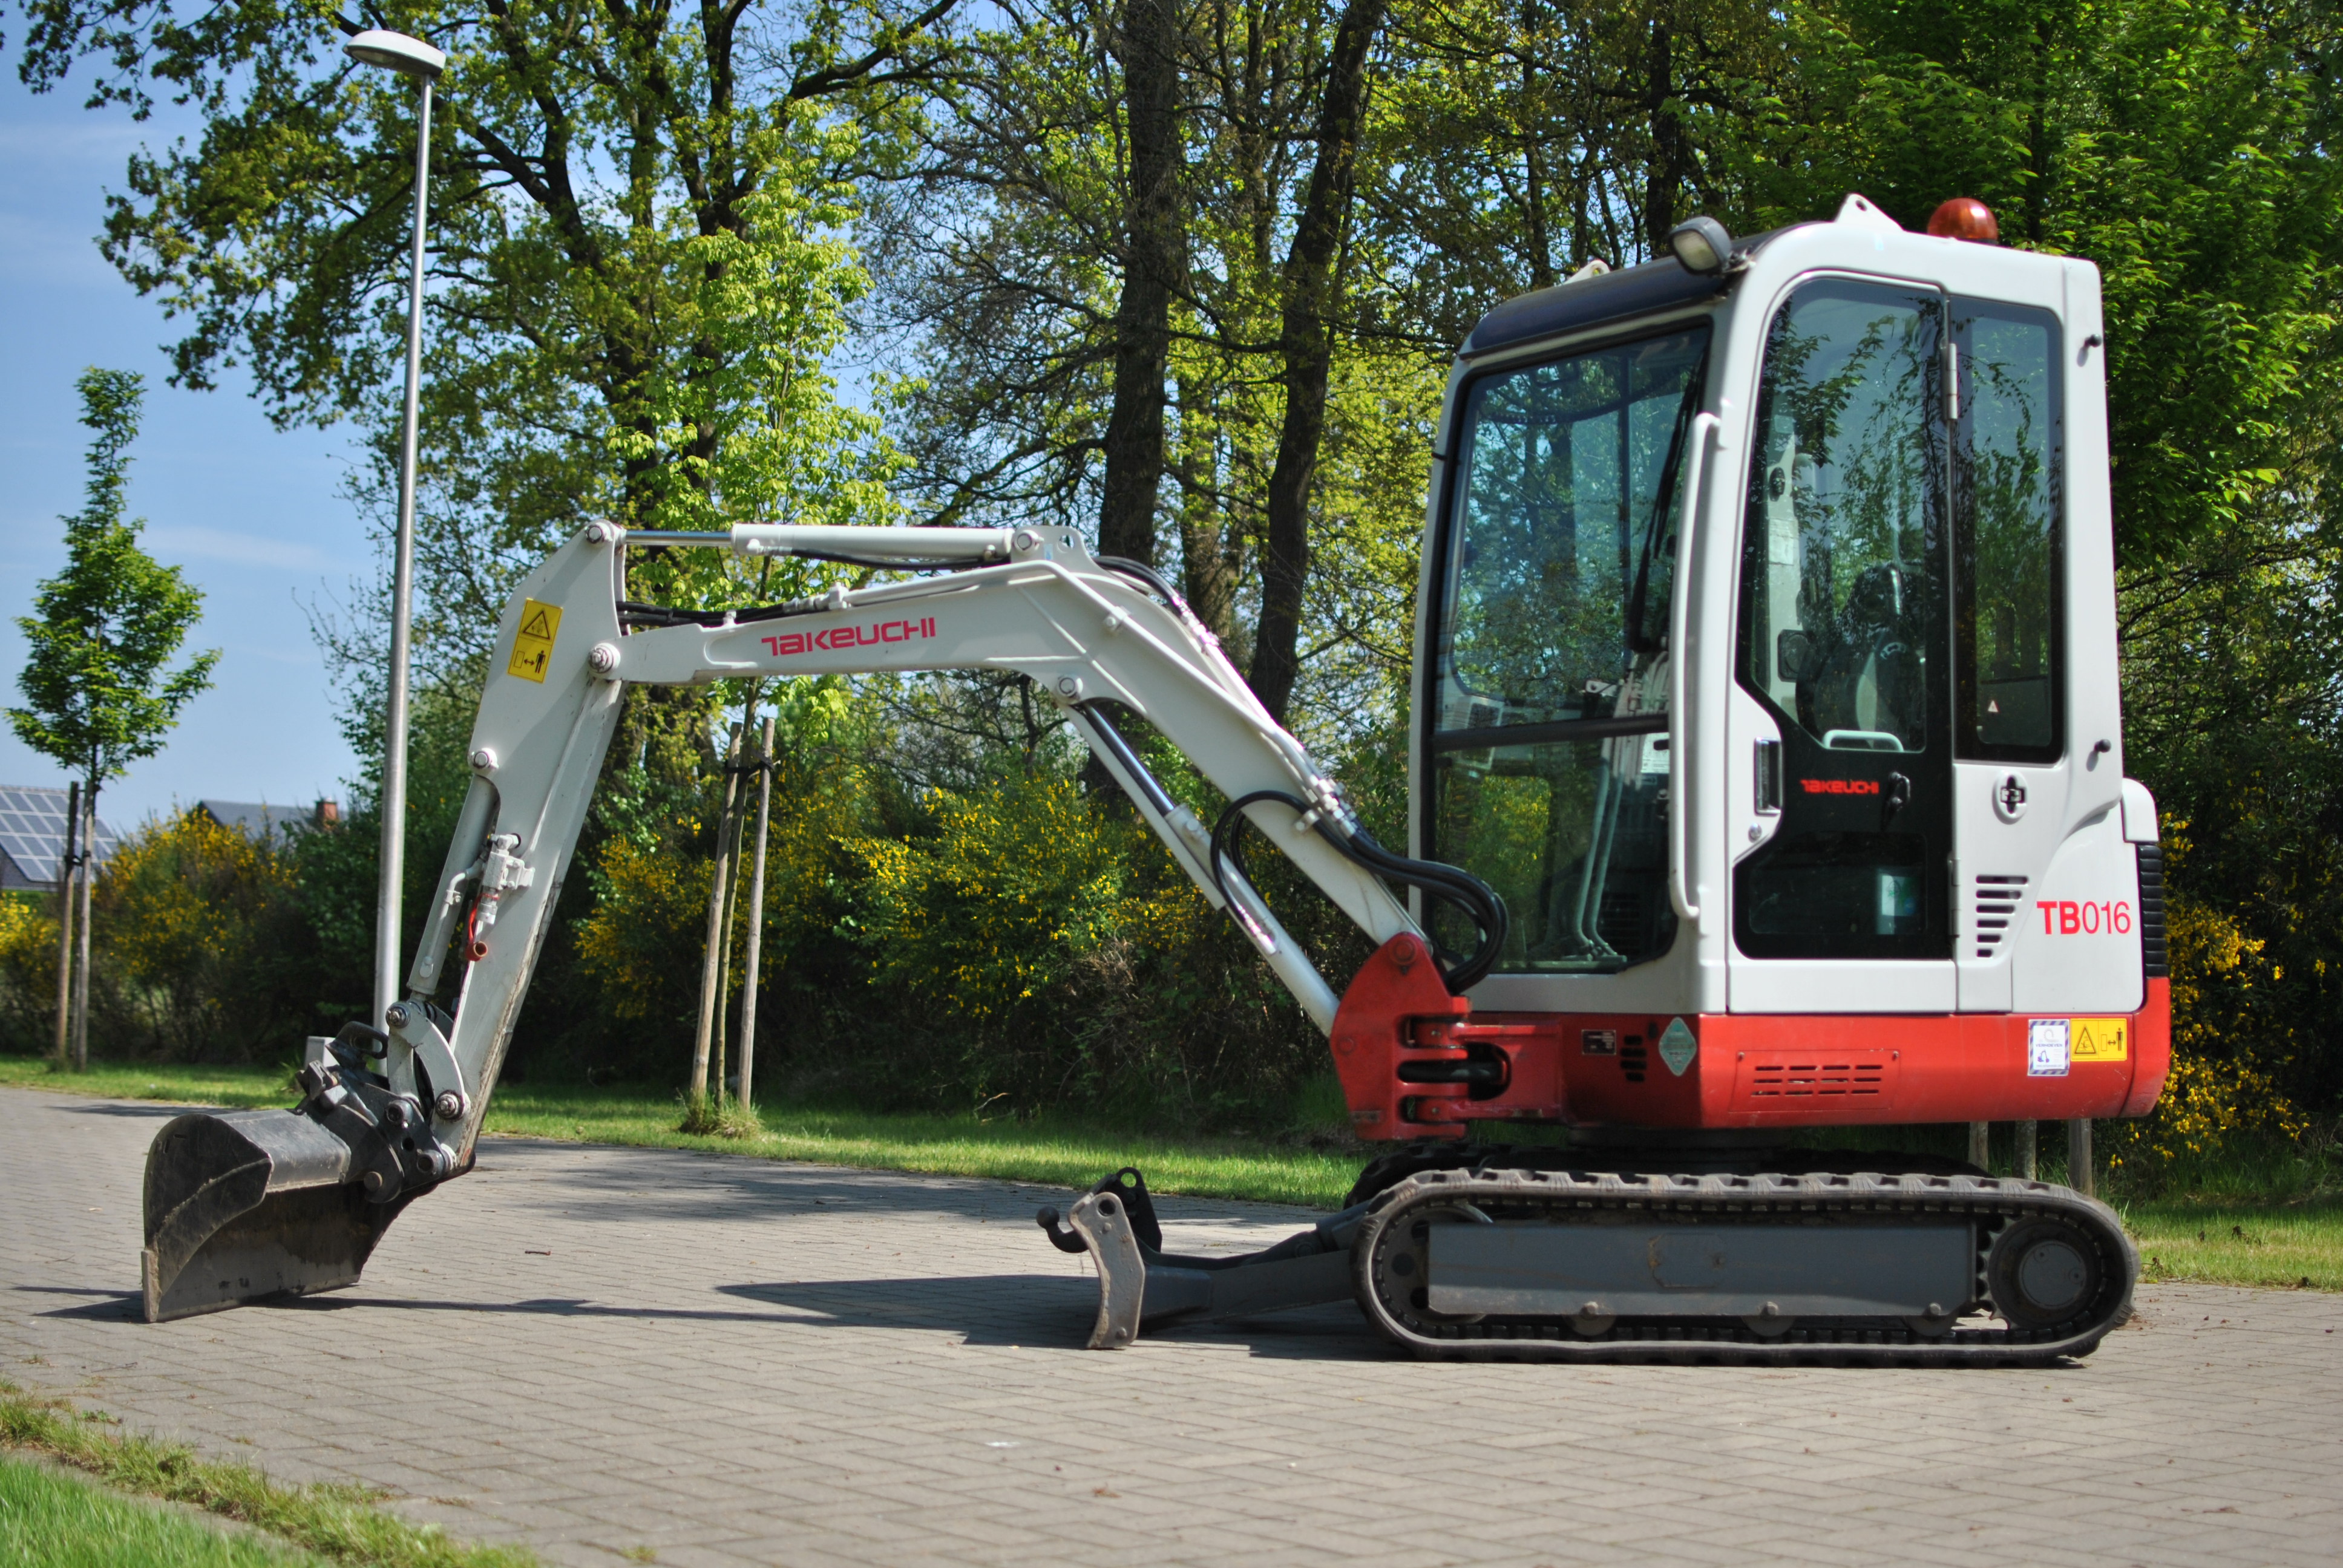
(533, 648)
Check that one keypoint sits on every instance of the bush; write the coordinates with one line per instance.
(202, 949)
(28, 973)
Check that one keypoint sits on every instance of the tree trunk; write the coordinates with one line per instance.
(1671, 156)
(1154, 260)
(68, 869)
(88, 882)
(1306, 341)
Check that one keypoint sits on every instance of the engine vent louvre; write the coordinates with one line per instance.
(1632, 1059)
(2154, 957)
(1997, 901)
(1851, 1075)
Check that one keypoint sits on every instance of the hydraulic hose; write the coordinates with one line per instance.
(1457, 887)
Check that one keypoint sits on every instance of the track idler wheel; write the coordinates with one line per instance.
(2042, 1273)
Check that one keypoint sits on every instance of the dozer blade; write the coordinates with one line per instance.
(243, 1205)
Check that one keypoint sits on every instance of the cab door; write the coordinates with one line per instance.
(1843, 700)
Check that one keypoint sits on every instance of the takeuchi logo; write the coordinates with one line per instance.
(837, 639)
(1841, 786)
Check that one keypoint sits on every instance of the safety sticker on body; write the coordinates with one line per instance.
(1678, 1046)
(2100, 1040)
(533, 648)
(2049, 1043)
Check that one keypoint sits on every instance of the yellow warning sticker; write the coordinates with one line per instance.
(533, 648)
(2101, 1039)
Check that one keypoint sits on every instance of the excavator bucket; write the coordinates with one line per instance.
(243, 1205)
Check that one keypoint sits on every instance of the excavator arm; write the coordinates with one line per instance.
(257, 1203)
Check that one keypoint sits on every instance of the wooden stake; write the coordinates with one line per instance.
(2081, 1175)
(710, 1001)
(756, 921)
(2027, 1161)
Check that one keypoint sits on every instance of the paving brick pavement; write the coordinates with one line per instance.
(736, 1361)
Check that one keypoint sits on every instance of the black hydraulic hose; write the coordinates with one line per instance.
(1126, 567)
(1452, 885)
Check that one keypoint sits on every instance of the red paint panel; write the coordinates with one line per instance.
(1748, 1071)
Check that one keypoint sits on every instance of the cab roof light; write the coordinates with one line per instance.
(1966, 217)
(1702, 245)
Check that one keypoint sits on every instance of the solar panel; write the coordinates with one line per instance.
(33, 830)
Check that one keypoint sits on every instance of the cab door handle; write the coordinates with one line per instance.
(1899, 793)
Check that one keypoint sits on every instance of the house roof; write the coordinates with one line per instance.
(259, 819)
(33, 836)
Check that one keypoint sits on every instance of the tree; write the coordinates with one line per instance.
(98, 690)
(605, 185)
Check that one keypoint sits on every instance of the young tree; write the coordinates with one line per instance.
(96, 682)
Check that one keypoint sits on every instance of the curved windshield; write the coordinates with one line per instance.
(1548, 745)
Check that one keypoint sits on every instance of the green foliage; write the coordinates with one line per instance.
(2180, 145)
(95, 680)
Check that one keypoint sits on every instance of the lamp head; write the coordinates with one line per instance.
(1966, 217)
(397, 52)
(1702, 244)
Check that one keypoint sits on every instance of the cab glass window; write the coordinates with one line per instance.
(1843, 574)
(1547, 739)
(2006, 453)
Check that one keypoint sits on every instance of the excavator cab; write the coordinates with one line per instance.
(1766, 775)
(1767, 669)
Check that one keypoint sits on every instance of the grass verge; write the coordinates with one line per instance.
(60, 1520)
(2282, 1237)
(340, 1523)
(2297, 1244)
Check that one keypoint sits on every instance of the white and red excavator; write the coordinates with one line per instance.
(1766, 775)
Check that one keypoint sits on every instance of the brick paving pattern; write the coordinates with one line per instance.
(593, 1349)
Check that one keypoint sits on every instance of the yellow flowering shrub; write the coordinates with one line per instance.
(2233, 1038)
(1016, 885)
(28, 972)
(202, 951)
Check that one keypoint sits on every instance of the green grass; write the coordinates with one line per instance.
(55, 1520)
(2298, 1244)
(2263, 1222)
(1065, 1152)
(339, 1523)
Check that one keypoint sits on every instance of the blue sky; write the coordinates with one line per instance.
(256, 518)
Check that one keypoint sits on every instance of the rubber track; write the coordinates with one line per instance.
(1515, 1196)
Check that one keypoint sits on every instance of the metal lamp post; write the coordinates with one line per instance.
(409, 58)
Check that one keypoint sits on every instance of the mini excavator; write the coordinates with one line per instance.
(1766, 775)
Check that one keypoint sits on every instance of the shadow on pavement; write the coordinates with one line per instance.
(103, 1306)
(1044, 1310)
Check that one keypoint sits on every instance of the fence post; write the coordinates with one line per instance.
(2082, 1175)
(1981, 1145)
(2026, 1161)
